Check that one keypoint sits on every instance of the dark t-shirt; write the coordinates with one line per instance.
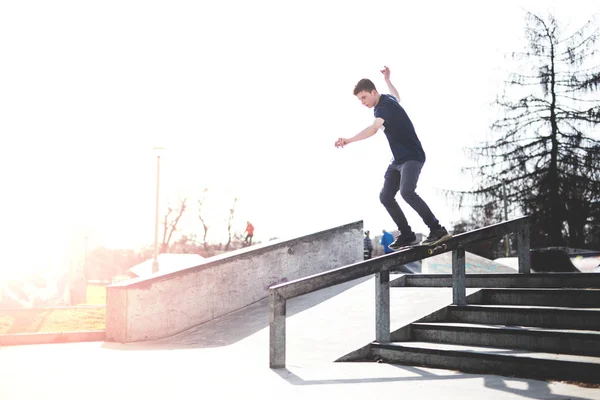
(399, 130)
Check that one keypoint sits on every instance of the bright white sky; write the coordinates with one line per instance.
(248, 98)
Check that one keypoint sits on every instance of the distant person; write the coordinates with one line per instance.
(386, 240)
(403, 173)
(368, 246)
(249, 233)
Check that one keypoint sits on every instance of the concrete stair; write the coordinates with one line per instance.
(518, 337)
(561, 280)
(544, 333)
(545, 317)
(543, 297)
(491, 360)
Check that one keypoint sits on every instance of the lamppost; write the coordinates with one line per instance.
(155, 260)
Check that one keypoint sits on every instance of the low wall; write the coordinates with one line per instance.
(169, 303)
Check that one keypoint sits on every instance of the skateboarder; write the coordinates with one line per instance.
(403, 173)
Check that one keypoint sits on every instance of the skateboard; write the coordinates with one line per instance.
(431, 248)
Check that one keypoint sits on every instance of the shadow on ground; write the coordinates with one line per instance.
(527, 388)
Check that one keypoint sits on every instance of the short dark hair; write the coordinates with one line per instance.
(364, 84)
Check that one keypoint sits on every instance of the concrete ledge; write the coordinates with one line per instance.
(51, 337)
(169, 303)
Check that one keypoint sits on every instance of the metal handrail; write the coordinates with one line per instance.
(279, 294)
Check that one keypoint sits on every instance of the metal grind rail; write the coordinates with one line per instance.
(279, 294)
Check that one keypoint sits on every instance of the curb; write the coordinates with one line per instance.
(18, 339)
(50, 308)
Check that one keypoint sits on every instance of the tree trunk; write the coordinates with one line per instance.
(556, 214)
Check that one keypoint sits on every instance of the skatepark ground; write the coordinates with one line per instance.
(228, 358)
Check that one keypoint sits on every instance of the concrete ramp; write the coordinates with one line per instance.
(171, 302)
(586, 262)
(474, 264)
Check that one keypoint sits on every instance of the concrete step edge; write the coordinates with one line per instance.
(515, 329)
(521, 308)
(511, 280)
(536, 275)
(594, 291)
(479, 352)
(479, 360)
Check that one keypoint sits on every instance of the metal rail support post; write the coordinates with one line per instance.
(382, 306)
(459, 279)
(523, 248)
(276, 330)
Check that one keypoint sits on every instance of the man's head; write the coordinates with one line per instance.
(366, 92)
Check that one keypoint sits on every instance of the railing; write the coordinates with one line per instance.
(279, 294)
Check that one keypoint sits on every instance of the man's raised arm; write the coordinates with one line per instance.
(386, 74)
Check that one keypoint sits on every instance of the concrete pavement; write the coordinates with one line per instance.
(227, 358)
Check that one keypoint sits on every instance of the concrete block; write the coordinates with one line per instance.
(169, 303)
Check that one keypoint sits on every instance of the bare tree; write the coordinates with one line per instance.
(201, 217)
(545, 152)
(230, 223)
(172, 218)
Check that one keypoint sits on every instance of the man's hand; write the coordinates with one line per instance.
(341, 142)
(364, 134)
(386, 73)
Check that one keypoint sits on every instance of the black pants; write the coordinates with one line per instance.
(403, 178)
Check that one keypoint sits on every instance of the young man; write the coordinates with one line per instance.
(386, 240)
(367, 246)
(403, 173)
(249, 233)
